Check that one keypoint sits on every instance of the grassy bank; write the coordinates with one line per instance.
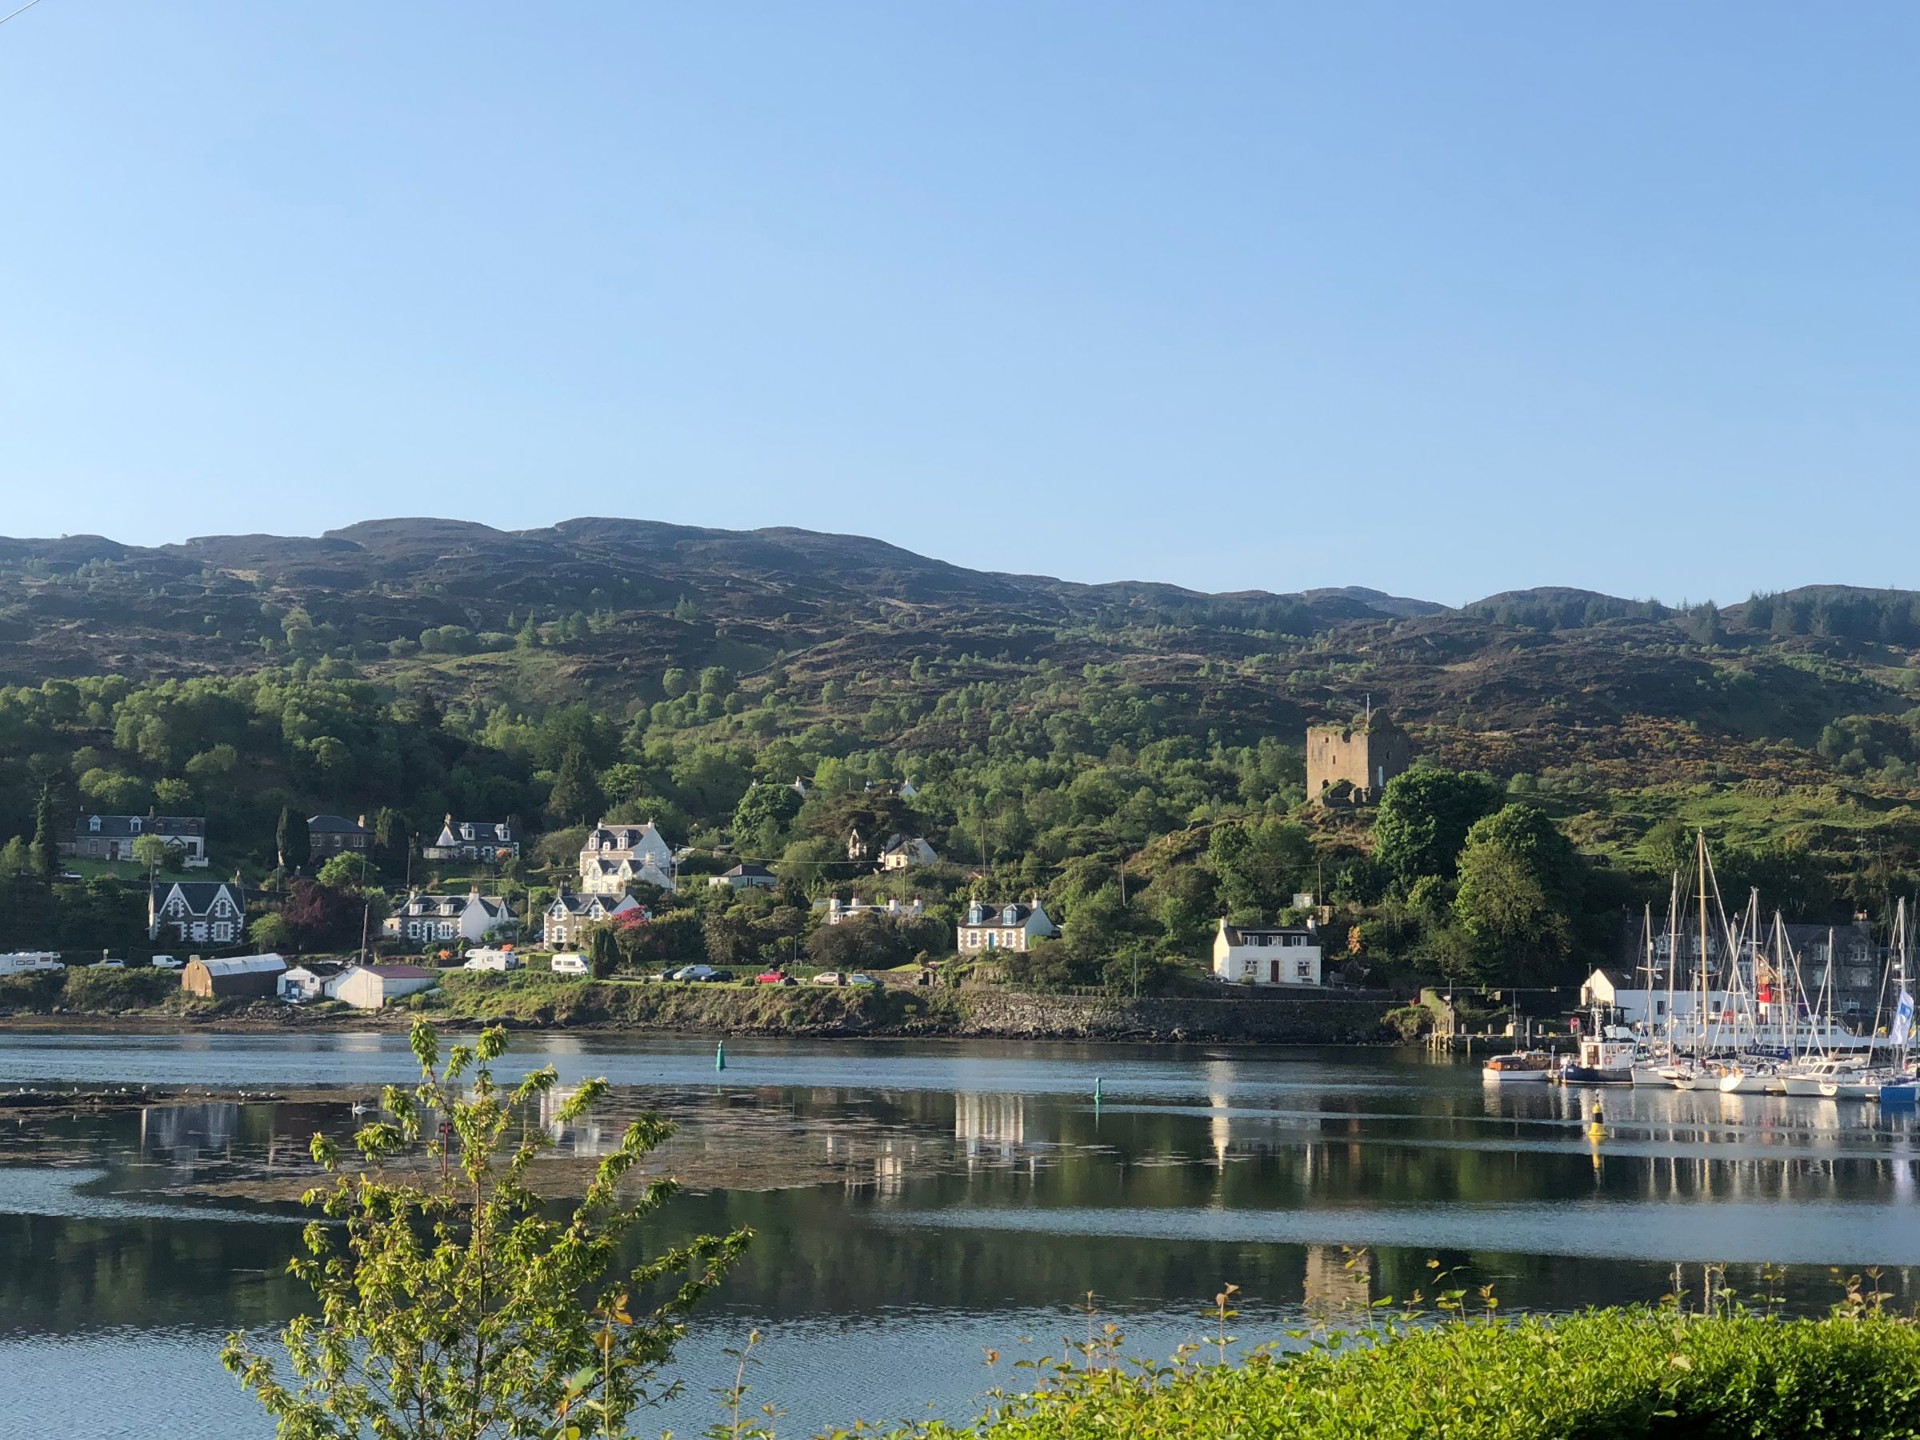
(1605, 1374)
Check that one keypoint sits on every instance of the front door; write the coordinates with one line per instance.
(1274, 971)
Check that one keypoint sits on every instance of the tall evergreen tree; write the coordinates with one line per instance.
(290, 840)
(45, 851)
(576, 790)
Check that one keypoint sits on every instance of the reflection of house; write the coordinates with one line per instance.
(1004, 927)
(903, 852)
(245, 975)
(616, 857)
(430, 919)
(487, 840)
(989, 1124)
(372, 987)
(570, 916)
(1271, 955)
(839, 911)
(1339, 1280)
(744, 877)
(111, 837)
(197, 912)
(330, 835)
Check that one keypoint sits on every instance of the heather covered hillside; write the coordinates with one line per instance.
(1131, 750)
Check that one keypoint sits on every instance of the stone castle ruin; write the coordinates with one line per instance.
(1351, 764)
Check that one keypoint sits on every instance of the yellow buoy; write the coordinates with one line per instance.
(1598, 1126)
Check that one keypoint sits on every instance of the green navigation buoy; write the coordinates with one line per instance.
(1096, 1089)
(720, 1056)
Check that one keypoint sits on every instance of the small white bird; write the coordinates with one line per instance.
(358, 1108)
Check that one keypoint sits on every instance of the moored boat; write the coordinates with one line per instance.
(1522, 1066)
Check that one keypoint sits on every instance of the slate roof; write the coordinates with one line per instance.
(121, 826)
(200, 895)
(335, 825)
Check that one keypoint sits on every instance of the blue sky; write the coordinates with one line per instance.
(1444, 299)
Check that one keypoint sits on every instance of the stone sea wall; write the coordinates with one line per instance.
(1305, 1020)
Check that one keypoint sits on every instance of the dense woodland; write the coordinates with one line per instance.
(1132, 754)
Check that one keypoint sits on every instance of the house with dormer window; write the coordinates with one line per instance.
(570, 916)
(197, 912)
(1004, 927)
(111, 837)
(440, 919)
(616, 857)
(491, 841)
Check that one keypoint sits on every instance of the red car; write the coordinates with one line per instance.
(774, 977)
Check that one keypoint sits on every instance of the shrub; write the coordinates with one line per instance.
(1604, 1375)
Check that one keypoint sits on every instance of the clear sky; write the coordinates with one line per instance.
(1440, 298)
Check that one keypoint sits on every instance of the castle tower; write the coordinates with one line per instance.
(1351, 764)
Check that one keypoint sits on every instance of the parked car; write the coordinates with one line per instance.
(830, 977)
(861, 980)
(569, 963)
(108, 965)
(726, 977)
(696, 973)
(774, 977)
(164, 962)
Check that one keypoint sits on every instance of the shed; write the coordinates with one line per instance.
(372, 987)
(244, 975)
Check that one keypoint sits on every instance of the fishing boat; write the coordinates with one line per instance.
(1601, 1059)
(1521, 1067)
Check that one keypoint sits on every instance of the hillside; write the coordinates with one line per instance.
(1059, 733)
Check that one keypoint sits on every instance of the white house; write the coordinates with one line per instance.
(439, 919)
(372, 987)
(745, 877)
(204, 912)
(1004, 927)
(485, 840)
(618, 856)
(903, 852)
(1636, 1002)
(570, 916)
(1272, 955)
(840, 911)
(111, 837)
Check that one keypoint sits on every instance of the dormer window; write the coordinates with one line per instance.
(133, 824)
(1010, 916)
(93, 824)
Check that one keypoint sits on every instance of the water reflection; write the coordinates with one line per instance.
(917, 1191)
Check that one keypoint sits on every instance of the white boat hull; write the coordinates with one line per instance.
(1515, 1077)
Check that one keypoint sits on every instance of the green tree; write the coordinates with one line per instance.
(453, 1304)
(762, 818)
(1423, 820)
(1518, 893)
(45, 850)
(575, 798)
(290, 840)
(152, 852)
(348, 871)
(674, 682)
(1258, 867)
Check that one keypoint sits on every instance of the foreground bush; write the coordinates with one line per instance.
(1597, 1376)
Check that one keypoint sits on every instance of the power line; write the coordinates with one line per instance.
(21, 11)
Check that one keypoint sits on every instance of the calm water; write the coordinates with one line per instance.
(943, 1199)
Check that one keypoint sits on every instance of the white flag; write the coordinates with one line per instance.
(1902, 1020)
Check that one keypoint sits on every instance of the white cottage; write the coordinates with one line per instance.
(1269, 955)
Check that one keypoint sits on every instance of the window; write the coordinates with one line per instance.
(1303, 971)
(93, 824)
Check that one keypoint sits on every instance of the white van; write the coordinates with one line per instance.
(488, 959)
(569, 963)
